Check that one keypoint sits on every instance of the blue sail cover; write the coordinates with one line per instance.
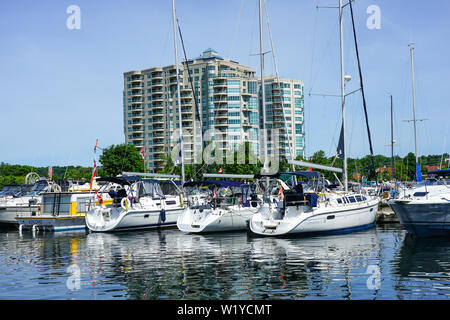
(418, 174)
(443, 172)
(222, 183)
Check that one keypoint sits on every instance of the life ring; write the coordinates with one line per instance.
(124, 203)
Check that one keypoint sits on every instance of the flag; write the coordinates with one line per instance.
(310, 169)
(94, 174)
(50, 172)
(96, 145)
(99, 197)
(143, 154)
(280, 193)
(215, 194)
(220, 170)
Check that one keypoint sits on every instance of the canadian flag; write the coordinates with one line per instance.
(215, 194)
(220, 170)
(143, 154)
(100, 199)
(94, 174)
(280, 193)
(310, 169)
(50, 172)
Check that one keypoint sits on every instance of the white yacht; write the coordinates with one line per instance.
(65, 211)
(138, 204)
(424, 209)
(217, 205)
(24, 203)
(299, 211)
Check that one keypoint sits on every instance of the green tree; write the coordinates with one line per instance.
(121, 158)
(409, 163)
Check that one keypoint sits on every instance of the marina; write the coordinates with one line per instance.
(219, 188)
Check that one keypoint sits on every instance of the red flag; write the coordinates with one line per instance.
(96, 145)
(143, 154)
(310, 169)
(220, 170)
(100, 199)
(94, 174)
(50, 172)
(215, 194)
(280, 193)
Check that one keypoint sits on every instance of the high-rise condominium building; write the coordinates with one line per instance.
(219, 98)
(284, 115)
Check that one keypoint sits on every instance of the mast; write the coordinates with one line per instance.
(392, 139)
(178, 90)
(341, 42)
(411, 48)
(263, 94)
(291, 146)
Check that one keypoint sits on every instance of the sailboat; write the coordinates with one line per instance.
(217, 205)
(318, 210)
(141, 204)
(424, 209)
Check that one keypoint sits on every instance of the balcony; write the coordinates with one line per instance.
(220, 92)
(221, 115)
(157, 84)
(158, 142)
(221, 124)
(222, 100)
(158, 129)
(135, 115)
(158, 120)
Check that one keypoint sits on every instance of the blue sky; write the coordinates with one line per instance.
(61, 89)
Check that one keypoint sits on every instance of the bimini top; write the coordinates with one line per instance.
(305, 174)
(120, 180)
(221, 183)
(176, 182)
(443, 172)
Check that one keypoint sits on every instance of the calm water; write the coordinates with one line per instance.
(381, 263)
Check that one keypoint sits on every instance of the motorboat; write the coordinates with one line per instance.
(14, 190)
(423, 209)
(24, 202)
(298, 210)
(218, 205)
(65, 211)
(137, 204)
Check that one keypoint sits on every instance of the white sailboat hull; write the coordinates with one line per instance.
(308, 220)
(215, 220)
(118, 219)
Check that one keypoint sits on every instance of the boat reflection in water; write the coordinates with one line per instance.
(380, 263)
(422, 265)
(174, 265)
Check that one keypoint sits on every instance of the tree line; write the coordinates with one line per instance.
(126, 158)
